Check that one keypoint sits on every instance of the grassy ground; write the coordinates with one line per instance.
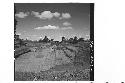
(76, 71)
(68, 72)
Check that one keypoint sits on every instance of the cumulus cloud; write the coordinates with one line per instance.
(45, 14)
(53, 27)
(65, 16)
(49, 15)
(47, 27)
(66, 24)
(36, 14)
(56, 14)
(21, 15)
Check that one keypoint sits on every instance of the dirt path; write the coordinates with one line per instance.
(40, 61)
(46, 58)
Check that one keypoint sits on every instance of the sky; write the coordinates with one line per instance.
(54, 20)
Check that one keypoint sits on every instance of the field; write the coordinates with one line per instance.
(67, 62)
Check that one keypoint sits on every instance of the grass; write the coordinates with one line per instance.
(76, 75)
(77, 71)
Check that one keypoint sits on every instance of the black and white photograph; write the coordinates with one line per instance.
(65, 41)
(53, 41)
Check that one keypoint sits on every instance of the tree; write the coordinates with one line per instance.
(40, 40)
(17, 40)
(63, 39)
(75, 40)
(81, 39)
(51, 39)
(70, 40)
(45, 39)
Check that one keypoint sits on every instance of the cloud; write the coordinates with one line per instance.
(49, 15)
(47, 27)
(45, 14)
(65, 28)
(66, 24)
(52, 27)
(21, 15)
(36, 14)
(56, 14)
(65, 16)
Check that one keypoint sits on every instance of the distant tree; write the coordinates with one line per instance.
(40, 40)
(75, 39)
(22, 42)
(63, 39)
(70, 40)
(45, 39)
(51, 39)
(81, 39)
(17, 40)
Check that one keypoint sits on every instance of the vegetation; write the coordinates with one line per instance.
(82, 58)
(50, 75)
